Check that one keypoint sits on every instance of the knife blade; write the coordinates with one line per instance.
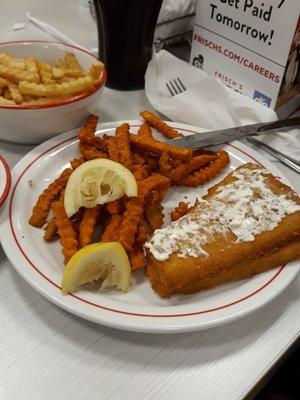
(227, 135)
(288, 161)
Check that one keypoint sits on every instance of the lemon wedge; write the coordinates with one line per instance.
(107, 262)
(98, 182)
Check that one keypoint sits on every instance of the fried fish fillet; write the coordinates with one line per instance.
(246, 224)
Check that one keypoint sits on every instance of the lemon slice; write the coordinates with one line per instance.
(98, 182)
(107, 262)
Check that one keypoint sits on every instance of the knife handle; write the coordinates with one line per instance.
(281, 123)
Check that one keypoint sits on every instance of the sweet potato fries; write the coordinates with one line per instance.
(155, 165)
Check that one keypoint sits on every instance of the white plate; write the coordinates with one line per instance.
(5, 180)
(141, 309)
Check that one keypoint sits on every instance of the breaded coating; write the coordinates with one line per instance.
(160, 125)
(176, 171)
(77, 162)
(142, 233)
(112, 229)
(87, 134)
(68, 237)
(51, 230)
(206, 174)
(112, 149)
(137, 258)
(153, 209)
(91, 153)
(154, 215)
(145, 129)
(140, 172)
(87, 225)
(247, 223)
(135, 208)
(114, 207)
(155, 146)
(41, 209)
(179, 211)
(123, 145)
(138, 159)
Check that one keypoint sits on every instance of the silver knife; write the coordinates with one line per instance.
(288, 161)
(283, 111)
(227, 135)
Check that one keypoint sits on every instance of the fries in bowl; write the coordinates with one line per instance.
(31, 80)
(46, 88)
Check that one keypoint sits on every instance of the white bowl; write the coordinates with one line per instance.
(33, 124)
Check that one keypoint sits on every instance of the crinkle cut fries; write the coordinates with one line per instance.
(155, 165)
(31, 81)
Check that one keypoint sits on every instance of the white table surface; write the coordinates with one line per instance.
(47, 353)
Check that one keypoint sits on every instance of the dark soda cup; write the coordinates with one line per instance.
(125, 38)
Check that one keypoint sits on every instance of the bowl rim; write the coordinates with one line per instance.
(56, 103)
(7, 186)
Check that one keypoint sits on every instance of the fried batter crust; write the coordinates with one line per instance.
(229, 260)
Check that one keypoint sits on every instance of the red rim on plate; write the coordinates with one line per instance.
(42, 274)
(58, 102)
(7, 177)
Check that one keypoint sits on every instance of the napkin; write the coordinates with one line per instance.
(208, 103)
